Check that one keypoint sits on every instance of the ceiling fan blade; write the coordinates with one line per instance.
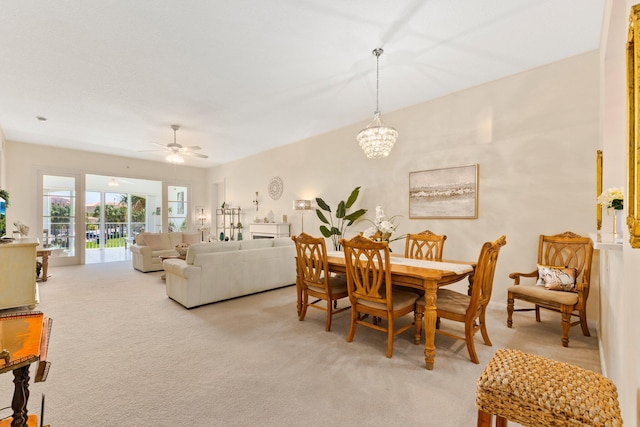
(189, 153)
(153, 151)
(191, 148)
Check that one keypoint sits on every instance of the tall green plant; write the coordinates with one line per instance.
(343, 219)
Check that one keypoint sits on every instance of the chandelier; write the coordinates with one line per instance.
(376, 139)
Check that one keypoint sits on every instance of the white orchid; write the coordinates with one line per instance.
(383, 227)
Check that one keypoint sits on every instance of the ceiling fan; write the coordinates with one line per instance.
(176, 151)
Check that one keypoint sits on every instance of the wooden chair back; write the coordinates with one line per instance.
(368, 272)
(483, 280)
(312, 261)
(424, 245)
(568, 250)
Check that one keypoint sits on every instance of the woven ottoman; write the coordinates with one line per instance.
(536, 391)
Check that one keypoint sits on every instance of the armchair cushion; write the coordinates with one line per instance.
(542, 294)
(556, 278)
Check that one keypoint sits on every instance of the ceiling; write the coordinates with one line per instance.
(244, 76)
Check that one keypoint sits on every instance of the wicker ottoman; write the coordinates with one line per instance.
(536, 391)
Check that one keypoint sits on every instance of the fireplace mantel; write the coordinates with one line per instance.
(268, 230)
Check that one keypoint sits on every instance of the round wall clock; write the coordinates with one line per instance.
(275, 187)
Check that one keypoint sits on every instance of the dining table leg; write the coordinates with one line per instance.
(430, 316)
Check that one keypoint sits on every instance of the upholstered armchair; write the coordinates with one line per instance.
(562, 281)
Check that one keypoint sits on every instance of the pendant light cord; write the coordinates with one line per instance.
(377, 52)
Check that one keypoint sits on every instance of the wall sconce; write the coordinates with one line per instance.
(302, 205)
(255, 201)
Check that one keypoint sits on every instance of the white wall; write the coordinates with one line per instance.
(23, 161)
(620, 335)
(534, 136)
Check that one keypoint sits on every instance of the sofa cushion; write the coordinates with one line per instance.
(204, 248)
(140, 239)
(190, 238)
(158, 242)
(282, 241)
(256, 244)
(175, 237)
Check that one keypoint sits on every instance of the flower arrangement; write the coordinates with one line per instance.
(383, 227)
(613, 198)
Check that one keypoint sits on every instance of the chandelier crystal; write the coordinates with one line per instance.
(377, 140)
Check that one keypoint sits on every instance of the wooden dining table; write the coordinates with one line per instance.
(418, 274)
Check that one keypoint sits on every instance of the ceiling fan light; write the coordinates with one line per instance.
(175, 158)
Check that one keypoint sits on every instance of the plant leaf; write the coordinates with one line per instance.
(321, 203)
(321, 216)
(325, 231)
(341, 210)
(353, 216)
(352, 197)
(336, 231)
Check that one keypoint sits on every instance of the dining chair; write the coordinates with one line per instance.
(562, 278)
(315, 279)
(370, 289)
(424, 245)
(468, 309)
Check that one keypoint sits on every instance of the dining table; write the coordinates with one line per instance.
(418, 274)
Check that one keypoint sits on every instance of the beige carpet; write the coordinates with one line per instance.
(123, 354)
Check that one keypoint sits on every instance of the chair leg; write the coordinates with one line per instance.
(484, 419)
(305, 304)
(468, 337)
(389, 336)
(537, 313)
(352, 327)
(329, 316)
(583, 322)
(509, 310)
(566, 325)
(483, 328)
(418, 317)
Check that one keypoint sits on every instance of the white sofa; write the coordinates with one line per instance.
(218, 271)
(149, 247)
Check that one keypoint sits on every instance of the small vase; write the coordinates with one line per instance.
(618, 221)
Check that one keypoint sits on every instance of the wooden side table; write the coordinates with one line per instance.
(25, 339)
(44, 253)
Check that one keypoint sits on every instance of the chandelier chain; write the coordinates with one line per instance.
(377, 52)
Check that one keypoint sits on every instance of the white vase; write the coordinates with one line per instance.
(618, 223)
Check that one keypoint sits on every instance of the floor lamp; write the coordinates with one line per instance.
(302, 205)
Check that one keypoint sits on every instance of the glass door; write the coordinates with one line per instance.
(59, 217)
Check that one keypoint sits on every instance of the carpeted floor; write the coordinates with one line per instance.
(123, 354)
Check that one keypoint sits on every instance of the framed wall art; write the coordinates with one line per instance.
(633, 120)
(444, 193)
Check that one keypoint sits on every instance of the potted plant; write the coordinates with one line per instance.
(343, 219)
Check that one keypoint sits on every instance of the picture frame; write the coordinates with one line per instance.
(446, 193)
(598, 188)
(633, 170)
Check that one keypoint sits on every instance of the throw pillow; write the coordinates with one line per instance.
(556, 278)
(158, 242)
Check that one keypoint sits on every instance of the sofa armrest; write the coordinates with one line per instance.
(180, 268)
(141, 250)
